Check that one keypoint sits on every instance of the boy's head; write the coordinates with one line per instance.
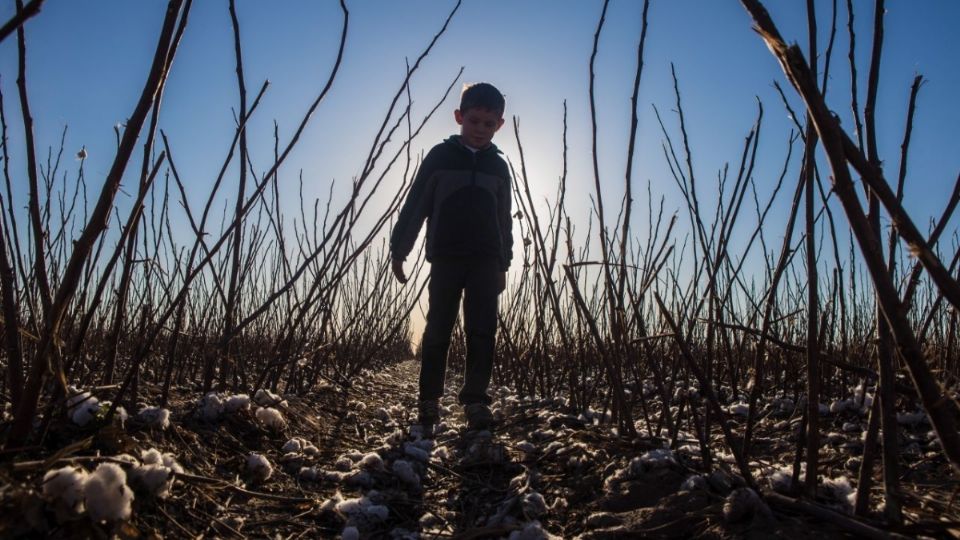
(480, 114)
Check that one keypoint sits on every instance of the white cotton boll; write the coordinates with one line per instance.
(425, 444)
(442, 453)
(155, 417)
(657, 459)
(839, 488)
(533, 505)
(259, 467)
(823, 408)
(120, 413)
(310, 450)
(354, 455)
(532, 531)
(359, 479)
(236, 403)
(293, 445)
(371, 461)
(851, 426)
(544, 434)
(308, 473)
(77, 398)
(694, 482)
(739, 409)
(211, 407)
(85, 411)
(404, 471)
(330, 505)
(416, 452)
(833, 438)
(376, 512)
(526, 447)
(64, 486)
(343, 463)
(552, 447)
(349, 506)
(106, 495)
(266, 398)
(382, 415)
(153, 479)
(357, 404)
(781, 478)
(350, 532)
(271, 418)
(743, 503)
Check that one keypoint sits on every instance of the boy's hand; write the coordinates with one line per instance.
(397, 267)
(501, 282)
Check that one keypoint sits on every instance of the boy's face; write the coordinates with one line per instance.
(477, 126)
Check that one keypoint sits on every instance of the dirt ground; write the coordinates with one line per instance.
(544, 472)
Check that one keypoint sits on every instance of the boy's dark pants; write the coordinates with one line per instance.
(477, 280)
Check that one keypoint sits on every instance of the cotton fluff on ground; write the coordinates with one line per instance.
(271, 418)
(82, 407)
(259, 467)
(405, 472)
(211, 407)
(236, 403)
(64, 488)
(155, 417)
(266, 398)
(155, 475)
(364, 508)
(106, 495)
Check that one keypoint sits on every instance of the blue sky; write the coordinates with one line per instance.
(87, 61)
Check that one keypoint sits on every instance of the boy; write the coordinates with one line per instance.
(463, 191)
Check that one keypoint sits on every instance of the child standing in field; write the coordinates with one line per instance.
(462, 190)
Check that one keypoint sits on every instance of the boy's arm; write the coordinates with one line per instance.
(505, 215)
(415, 209)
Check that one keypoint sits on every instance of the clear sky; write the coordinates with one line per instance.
(87, 61)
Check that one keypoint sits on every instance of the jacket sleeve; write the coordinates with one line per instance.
(415, 209)
(505, 216)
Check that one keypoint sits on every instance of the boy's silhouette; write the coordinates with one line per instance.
(462, 190)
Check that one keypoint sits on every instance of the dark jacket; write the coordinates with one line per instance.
(465, 198)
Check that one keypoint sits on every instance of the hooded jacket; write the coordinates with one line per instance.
(465, 198)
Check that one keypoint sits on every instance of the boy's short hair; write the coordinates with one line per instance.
(481, 96)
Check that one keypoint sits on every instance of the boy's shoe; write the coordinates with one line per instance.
(478, 416)
(428, 412)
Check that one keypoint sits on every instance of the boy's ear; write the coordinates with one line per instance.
(500, 123)
(459, 117)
